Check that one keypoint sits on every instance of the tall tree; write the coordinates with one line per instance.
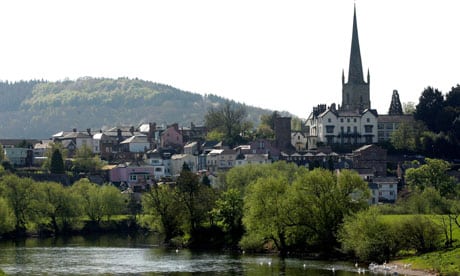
(86, 161)
(57, 163)
(430, 105)
(227, 119)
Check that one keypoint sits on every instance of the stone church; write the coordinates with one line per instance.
(354, 121)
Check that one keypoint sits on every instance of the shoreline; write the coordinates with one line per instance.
(404, 269)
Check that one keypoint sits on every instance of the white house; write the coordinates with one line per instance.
(136, 143)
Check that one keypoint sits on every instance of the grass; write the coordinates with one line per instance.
(444, 261)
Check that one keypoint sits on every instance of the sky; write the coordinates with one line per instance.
(281, 55)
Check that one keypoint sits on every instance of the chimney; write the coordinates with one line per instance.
(131, 129)
(89, 131)
(74, 130)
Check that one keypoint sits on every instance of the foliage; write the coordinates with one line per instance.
(98, 201)
(408, 136)
(432, 174)
(2, 154)
(294, 207)
(86, 161)
(421, 234)
(227, 119)
(41, 107)
(163, 204)
(22, 198)
(58, 206)
(7, 220)
(368, 237)
(430, 105)
(57, 163)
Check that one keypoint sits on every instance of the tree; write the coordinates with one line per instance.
(22, 197)
(2, 154)
(196, 197)
(57, 163)
(430, 105)
(86, 161)
(49, 158)
(408, 136)
(229, 211)
(7, 220)
(59, 206)
(266, 216)
(162, 202)
(409, 108)
(228, 120)
(368, 237)
(432, 174)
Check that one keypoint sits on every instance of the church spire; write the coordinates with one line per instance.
(355, 71)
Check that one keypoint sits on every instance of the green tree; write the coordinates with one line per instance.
(86, 161)
(57, 163)
(366, 236)
(113, 201)
(409, 108)
(22, 197)
(229, 211)
(227, 119)
(163, 203)
(196, 197)
(2, 154)
(421, 234)
(266, 216)
(59, 206)
(431, 104)
(7, 220)
(432, 174)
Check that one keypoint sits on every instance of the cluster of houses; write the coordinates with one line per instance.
(137, 157)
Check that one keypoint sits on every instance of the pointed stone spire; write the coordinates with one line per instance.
(395, 106)
(355, 71)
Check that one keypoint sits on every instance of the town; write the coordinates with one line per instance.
(322, 188)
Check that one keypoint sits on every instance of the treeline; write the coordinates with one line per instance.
(436, 132)
(278, 207)
(38, 109)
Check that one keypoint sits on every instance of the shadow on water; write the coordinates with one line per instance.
(142, 255)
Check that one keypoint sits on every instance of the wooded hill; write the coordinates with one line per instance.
(38, 109)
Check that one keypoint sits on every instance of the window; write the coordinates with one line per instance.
(341, 120)
(133, 177)
(355, 129)
(329, 129)
(348, 120)
(328, 120)
(354, 120)
(348, 129)
(368, 128)
(391, 186)
(368, 120)
(381, 126)
(341, 129)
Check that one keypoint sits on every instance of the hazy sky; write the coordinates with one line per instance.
(282, 55)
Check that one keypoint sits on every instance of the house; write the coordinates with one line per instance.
(387, 188)
(370, 157)
(41, 147)
(104, 145)
(135, 144)
(19, 156)
(171, 137)
(191, 148)
(74, 140)
(136, 176)
(178, 160)
(252, 159)
(160, 159)
(221, 159)
(299, 141)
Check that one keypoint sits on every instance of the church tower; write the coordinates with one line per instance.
(355, 93)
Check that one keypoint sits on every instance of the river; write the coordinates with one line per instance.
(115, 255)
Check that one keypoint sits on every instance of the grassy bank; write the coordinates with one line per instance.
(444, 260)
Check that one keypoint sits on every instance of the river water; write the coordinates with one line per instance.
(115, 255)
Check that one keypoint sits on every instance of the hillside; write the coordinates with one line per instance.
(38, 109)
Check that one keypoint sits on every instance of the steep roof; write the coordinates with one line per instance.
(355, 70)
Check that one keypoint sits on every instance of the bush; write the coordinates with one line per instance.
(421, 234)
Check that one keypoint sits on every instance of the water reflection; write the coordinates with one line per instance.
(115, 255)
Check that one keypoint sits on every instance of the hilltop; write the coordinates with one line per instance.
(38, 109)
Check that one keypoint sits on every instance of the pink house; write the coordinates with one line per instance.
(132, 175)
(171, 137)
